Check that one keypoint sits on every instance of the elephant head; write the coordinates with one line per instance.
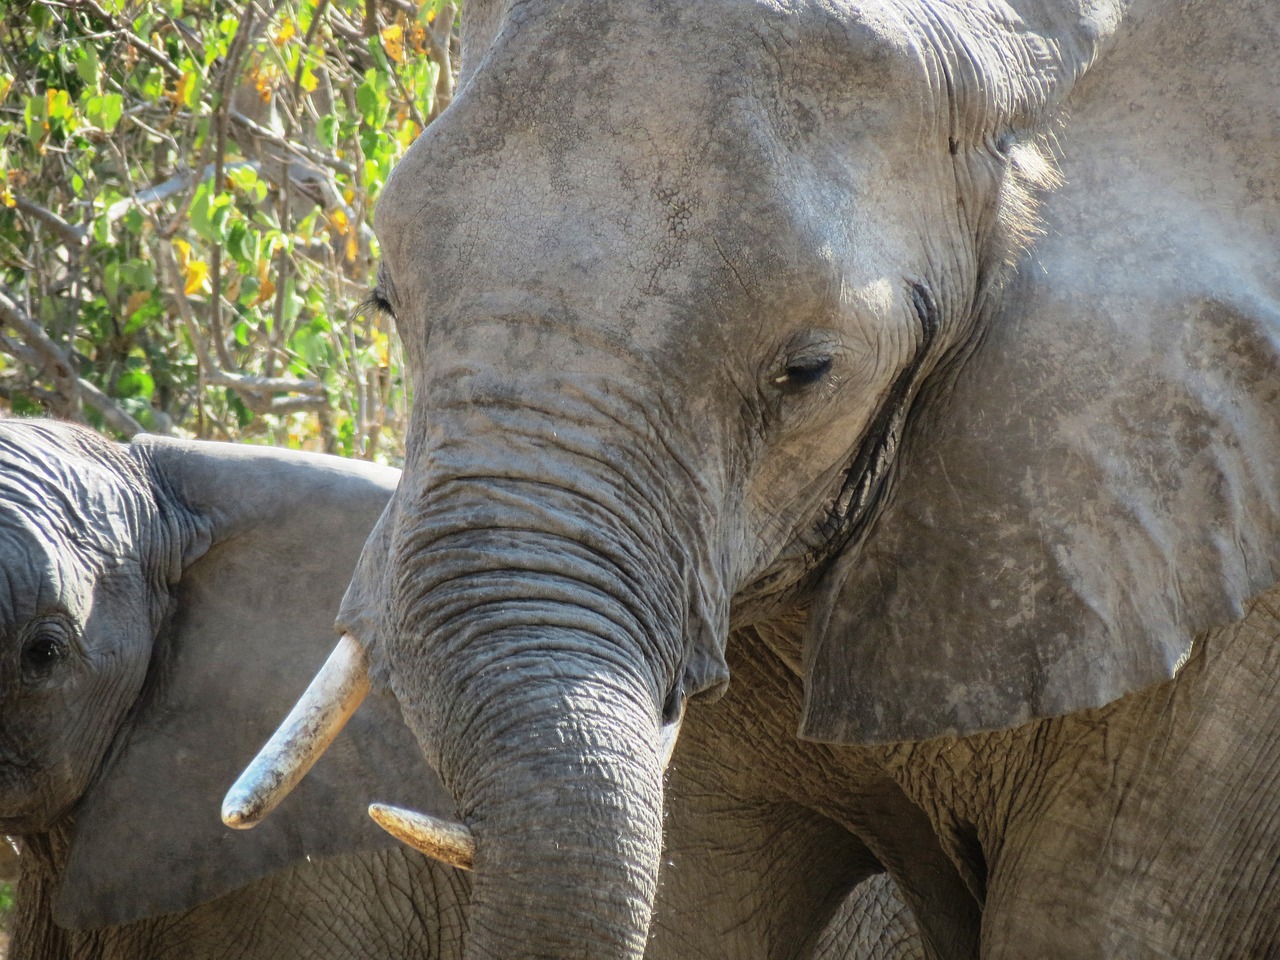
(159, 603)
(716, 315)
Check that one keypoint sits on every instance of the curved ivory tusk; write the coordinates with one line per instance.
(450, 843)
(311, 726)
(668, 735)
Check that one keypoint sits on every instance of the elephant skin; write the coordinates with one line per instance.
(897, 384)
(279, 532)
(163, 603)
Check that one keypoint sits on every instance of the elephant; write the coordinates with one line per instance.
(895, 385)
(233, 549)
(161, 603)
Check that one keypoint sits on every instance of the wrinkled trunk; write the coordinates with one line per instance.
(533, 641)
(567, 817)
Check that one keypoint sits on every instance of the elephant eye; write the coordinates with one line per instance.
(48, 642)
(804, 371)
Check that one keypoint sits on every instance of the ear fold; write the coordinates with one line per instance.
(1099, 481)
(251, 623)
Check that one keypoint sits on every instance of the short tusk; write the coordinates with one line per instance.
(668, 735)
(450, 843)
(305, 734)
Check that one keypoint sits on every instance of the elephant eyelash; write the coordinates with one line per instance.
(804, 373)
(376, 304)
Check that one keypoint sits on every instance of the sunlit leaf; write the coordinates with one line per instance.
(393, 42)
(194, 276)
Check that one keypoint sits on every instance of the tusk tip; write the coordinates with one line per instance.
(239, 814)
(450, 843)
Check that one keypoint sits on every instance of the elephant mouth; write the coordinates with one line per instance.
(315, 722)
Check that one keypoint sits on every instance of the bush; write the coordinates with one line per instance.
(185, 192)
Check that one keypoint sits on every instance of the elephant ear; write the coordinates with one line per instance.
(276, 535)
(1098, 480)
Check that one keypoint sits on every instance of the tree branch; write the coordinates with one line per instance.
(244, 384)
(151, 53)
(39, 350)
(73, 237)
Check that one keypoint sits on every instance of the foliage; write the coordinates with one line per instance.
(185, 192)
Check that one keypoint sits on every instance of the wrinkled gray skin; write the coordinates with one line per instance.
(730, 358)
(165, 569)
(161, 605)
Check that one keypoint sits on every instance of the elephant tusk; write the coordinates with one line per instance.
(450, 843)
(305, 734)
(668, 735)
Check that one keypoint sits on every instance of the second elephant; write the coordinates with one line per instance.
(160, 605)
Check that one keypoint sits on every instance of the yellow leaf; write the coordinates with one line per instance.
(182, 91)
(265, 292)
(338, 220)
(184, 253)
(197, 271)
(6, 197)
(393, 42)
(382, 346)
(353, 247)
(418, 38)
(308, 81)
(283, 35)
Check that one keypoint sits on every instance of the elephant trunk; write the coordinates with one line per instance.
(528, 598)
(534, 641)
(567, 817)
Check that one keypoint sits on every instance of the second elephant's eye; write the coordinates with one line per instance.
(48, 642)
(804, 372)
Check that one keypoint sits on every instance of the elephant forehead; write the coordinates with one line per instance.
(645, 109)
(32, 572)
(66, 516)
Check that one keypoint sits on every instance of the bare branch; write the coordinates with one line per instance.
(71, 236)
(244, 384)
(39, 350)
(157, 57)
(315, 156)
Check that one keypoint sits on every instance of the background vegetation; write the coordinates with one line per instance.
(185, 197)
(185, 193)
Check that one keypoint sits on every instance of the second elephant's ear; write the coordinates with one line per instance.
(276, 536)
(1099, 480)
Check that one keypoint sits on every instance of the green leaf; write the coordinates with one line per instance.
(244, 416)
(210, 212)
(112, 278)
(135, 383)
(104, 111)
(87, 64)
(242, 244)
(328, 130)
